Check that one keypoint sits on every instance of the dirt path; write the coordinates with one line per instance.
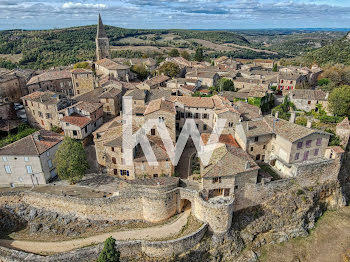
(328, 242)
(157, 232)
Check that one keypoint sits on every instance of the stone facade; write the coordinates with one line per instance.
(102, 42)
(83, 81)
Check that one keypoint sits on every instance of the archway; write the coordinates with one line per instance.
(185, 205)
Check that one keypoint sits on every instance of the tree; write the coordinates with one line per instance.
(275, 68)
(71, 160)
(186, 55)
(141, 71)
(170, 69)
(339, 101)
(109, 252)
(84, 65)
(174, 53)
(323, 82)
(198, 56)
(226, 84)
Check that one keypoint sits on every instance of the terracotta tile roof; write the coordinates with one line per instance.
(76, 120)
(345, 124)
(158, 150)
(160, 104)
(337, 149)
(111, 92)
(81, 71)
(137, 94)
(247, 111)
(226, 139)
(111, 65)
(88, 107)
(188, 88)
(156, 80)
(91, 96)
(308, 94)
(157, 93)
(202, 74)
(49, 76)
(33, 145)
(203, 102)
(43, 97)
(232, 163)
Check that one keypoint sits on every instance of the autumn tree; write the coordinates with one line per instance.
(185, 55)
(170, 69)
(140, 71)
(71, 160)
(109, 252)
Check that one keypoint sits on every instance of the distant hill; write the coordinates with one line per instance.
(336, 52)
(47, 48)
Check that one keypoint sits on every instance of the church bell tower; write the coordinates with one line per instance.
(102, 42)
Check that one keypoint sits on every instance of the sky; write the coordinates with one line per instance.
(186, 14)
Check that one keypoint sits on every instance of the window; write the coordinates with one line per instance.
(4, 158)
(112, 148)
(316, 152)
(67, 124)
(256, 139)
(114, 160)
(153, 132)
(48, 115)
(204, 127)
(217, 180)
(296, 156)
(251, 149)
(161, 119)
(308, 143)
(182, 115)
(196, 115)
(77, 84)
(29, 169)
(308, 102)
(189, 114)
(26, 159)
(8, 169)
(155, 175)
(205, 116)
(124, 172)
(230, 124)
(75, 133)
(319, 142)
(281, 81)
(264, 146)
(40, 114)
(49, 162)
(300, 145)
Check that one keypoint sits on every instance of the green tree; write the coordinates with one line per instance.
(186, 55)
(109, 252)
(140, 71)
(284, 108)
(199, 56)
(323, 82)
(84, 65)
(275, 68)
(226, 84)
(339, 101)
(174, 53)
(170, 69)
(71, 160)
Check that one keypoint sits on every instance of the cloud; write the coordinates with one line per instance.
(71, 5)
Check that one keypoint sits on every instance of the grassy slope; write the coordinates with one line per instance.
(329, 241)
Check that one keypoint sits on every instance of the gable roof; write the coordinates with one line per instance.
(156, 80)
(76, 120)
(203, 102)
(88, 107)
(111, 65)
(309, 94)
(49, 76)
(33, 145)
(345, 124)
(160, 104)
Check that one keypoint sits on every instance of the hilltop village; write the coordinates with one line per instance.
(259, 151)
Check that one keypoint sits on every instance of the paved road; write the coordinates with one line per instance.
(157, 232)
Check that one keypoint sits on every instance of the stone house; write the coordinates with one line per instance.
(229, 169)
(247, 111)
(83, 81)
(343, 131)
(183, 86)
(281, 143)
(29, 161)
(257, 97)
(251, 83)
(207, 78)
(10, 87)
(154, 82)
(54, 81)
(264, 63)
(205, 111)
(108, 67)
(81, 119)
(42, 108)
(289, 81)
(307, 100)
(149, 63)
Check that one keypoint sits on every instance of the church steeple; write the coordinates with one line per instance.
(102, 42)
(101, 33)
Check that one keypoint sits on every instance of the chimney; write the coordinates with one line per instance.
(292, 117)
(247, 165)
(309, 123)
(276, 114)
